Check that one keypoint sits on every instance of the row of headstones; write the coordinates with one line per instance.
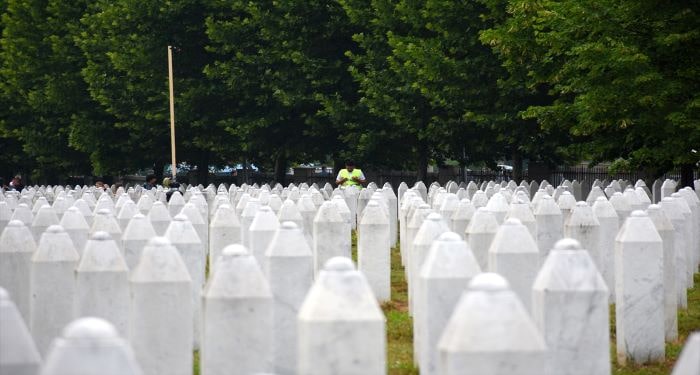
(512, 251)
(183, 232)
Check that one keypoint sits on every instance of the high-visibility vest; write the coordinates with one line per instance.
(344, 173)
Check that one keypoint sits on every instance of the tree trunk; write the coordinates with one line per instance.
(281, 167)
(203, 168)
(517, 166)
(422, 174)
(686, 175)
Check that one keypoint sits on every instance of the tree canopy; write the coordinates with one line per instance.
(395, 84)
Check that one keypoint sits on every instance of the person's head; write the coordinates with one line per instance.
(17, 179)
(166, 182)
(151, 179)
(99, 184)
(350, 165)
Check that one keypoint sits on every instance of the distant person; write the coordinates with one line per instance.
(166, 182)
(100, 184)
(16, 184)
(350, 176)
(151, 181)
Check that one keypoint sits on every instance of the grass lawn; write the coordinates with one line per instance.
(400, 329)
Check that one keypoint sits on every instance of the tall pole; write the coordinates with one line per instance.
(172, 112)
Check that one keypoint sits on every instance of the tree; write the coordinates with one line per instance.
(125, 43)
(622, 74)
(41, 84)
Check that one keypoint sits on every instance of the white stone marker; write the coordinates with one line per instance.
(85, 210)
(622, 206)
(514, 255)
(689, 361)
(159, 217)
(498, 205)
(127, 211)
(144, 204)
(667, 188)
(90, 346)
(307, 209)
(17, 247)
(77, 228)
(176, 203)
(673, 212)
(666, 231)
(160, 317)
(198, 222)
(290, 212)
(224, 230)
(688, 234)
(520, 209)
(263, 227)
(18, 354)
(136, 235)
(23, 214)
(480, 233)
(415, 219)
(433, 226)
(566, 203)
(392, 201)
(373, 250)
(445, 274)
(106, 222)
(5, 214)
(341, 327)
(237, 328)
(290, 274)
(570, 307)
(44, 218)
(639, 307)
(609, 226)
(52, 286)
(247, 217)
(462, 216)
(183, 236)
(101, 282)
(491, 333)
(331, 235)
(548, 226)
(584, 227)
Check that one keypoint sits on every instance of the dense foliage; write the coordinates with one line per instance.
(390, 83)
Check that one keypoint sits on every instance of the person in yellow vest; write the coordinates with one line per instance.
(350, 176)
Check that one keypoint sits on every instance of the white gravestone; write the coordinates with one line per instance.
(183, 236)
(666, 231)
(263, 227)
(491, 333)
(689, 361)
(433, 226)
(341, 326)
(330, 235)
(135, 237)
(290, 274)
(224, 230)
(639, 308)
(462, 216)
(159, 217)
(570, 306)
(237, 328)
(127, 211)
(160, 316)
(668, 205)
(247, 216)
(548, 226)
(17, 248)
(514, 255)
(90, 346)
(373, 250)
(445, 274)
(52, 286)
(480, 233)
(609, 226)
(101, 282)
(44, 218)
(18, 354)
(584, 227)
(77, 228)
